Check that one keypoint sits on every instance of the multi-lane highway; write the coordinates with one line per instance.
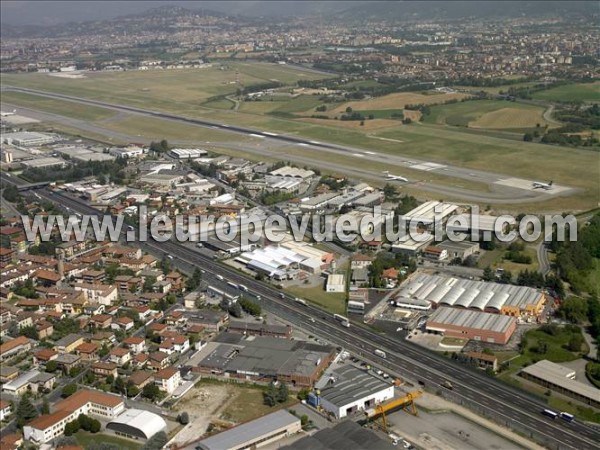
(503, 403)
(498, 193)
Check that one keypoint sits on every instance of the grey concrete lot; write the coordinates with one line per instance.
(445, 431)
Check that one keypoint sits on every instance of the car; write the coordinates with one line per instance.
(312, 319)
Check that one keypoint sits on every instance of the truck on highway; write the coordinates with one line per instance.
(380, 353)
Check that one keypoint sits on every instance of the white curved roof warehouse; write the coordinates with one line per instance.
(138, 423)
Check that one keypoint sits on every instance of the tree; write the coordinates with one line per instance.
(69, 390)
(303, 420)
(303, 394)
(575, 342)
(528, 137)
(26, 411)
(488, 274)
(31, 332)
(151, 392)
(349, 109)
(119, 386)
(183, 418)
(574, 309)
(51, 366)
(235, 309)
(45, 409)
(156, 442)
(72, 427)
(282, 393)
(389, 191)
(270, 395)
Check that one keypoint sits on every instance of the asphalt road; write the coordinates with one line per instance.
(498, 194)
(506, 404)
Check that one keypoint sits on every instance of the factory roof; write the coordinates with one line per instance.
(238, 436)
(468, 293)
(347, 435)
(470, 319)
(560, 376)
(349, 384)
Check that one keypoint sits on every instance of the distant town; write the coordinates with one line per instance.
(300, 343)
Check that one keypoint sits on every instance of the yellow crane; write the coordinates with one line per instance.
(407, 403)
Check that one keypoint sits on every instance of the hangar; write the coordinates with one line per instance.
(137, 424)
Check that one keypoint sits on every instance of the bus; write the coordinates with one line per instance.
(567, 417)
(550, 413)
(380, 353)
(302, 302)
(356, 307)
(343, 320)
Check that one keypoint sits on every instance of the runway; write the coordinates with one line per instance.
(503, 189)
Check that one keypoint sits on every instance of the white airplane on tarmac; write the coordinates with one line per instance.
(390, 177)
(540, 185)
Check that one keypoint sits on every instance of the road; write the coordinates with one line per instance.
(542, 257)
(498, 194)
(503, 403)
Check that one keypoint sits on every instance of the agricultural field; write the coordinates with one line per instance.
(583, 92)
(165, 89)
(396, 101)
(60, 107)
(492, 114)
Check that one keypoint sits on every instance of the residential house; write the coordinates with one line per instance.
(5, 410)
(88, 351)
(68, 343)
(158, 360)
(67, 361)
(135, 343)
(104, 369)
(43, 356)
(140, 378)
(101, 321)
(119, 356)
(14, 347)
(124, 323)
(168, 379)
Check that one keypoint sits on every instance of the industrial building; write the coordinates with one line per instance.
(506, 299)
(428, 212)
(277, 261)
(411, 246)
(344, 435)
(348, 389)
(460, 250)
(468, 324)
(266, 358)
(561, 379)
(137, 424)
(254, 434)
(42, 163)
(187, 153)
(336, 283)
(27, 138)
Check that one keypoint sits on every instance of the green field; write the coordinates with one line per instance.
(461, 114)
(183, 93)
(86, 439)
(335, 303)
(60, 107)
(169, 90)
(584, 92)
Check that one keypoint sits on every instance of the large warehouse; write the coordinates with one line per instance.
(266, 358)
(561, 379)
(254, 434)
(137, 424)
(480, 295)
(348, 389)
(476, 325)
